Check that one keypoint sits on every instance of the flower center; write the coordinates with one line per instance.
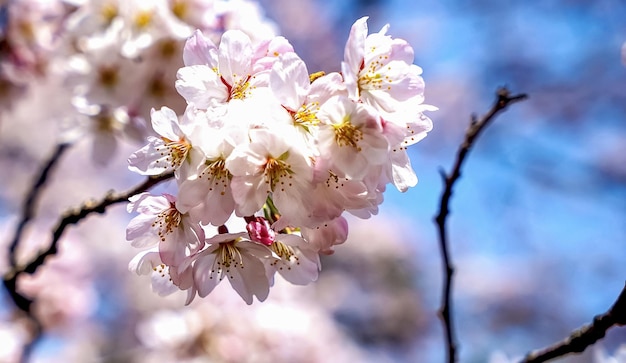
(179, 8)
(240, 88)
(228, 256)
(167, 221)
(156, 87)
(217, 174)
(168, 48)
(176, 151)
(334, 181)
(277, 169)
(307, 115)
(108, 12)
(143, 19)
(372, 79)
(346, 134)
(108, 76)
(285, 253)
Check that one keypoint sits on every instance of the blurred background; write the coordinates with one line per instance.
(537, 229)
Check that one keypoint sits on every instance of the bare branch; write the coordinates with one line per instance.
(504, 99)
(586, 336)
(72, 217)
(28, 209)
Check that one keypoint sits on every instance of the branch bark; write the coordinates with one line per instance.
(584, 337)
(28, 209)
(504, 99)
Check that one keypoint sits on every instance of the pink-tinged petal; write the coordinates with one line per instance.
(351, 81)
(267, 52)
(235, 56)
(201, 86)
(161, 283)
(149, 160)
(289, 80)
(204, 278)
(199, 50)
(260, 252)
(190, 164)
(145, 203)
(404, 82)
(139, 232)
(144, 262)
(326, 87)
(303, 267)
(191, 193)
(216, 208)
(249, 193)
(403, 175)
(165, 123)
(242, 162)
(252, 281)
(172, 250)
(325, 236)
(193, 234)
(417, 130)
(402, 51)
(191, 294)
(355, 46)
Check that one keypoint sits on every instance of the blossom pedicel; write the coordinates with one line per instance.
(287, 152)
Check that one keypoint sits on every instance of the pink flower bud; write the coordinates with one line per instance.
(260, 231)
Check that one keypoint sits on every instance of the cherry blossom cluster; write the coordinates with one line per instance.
(286, 152)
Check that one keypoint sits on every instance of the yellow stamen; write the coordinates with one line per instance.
(346, 134)
(277, 169)
(316, 75)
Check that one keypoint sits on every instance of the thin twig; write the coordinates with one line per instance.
(504, 99)
(586, 336)
(72, 217)
(28, 209)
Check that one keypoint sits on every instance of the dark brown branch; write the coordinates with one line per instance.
(586, 336)
(72, 217)
(504, 99)
(28, 209)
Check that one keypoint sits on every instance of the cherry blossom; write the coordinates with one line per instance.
(282, 151)
(159, 222)
(172, 151)
(237, 259)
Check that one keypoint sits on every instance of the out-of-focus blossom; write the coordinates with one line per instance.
(14, 337)
(600, 355)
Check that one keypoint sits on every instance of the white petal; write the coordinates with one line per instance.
(204, 279)
(200, 86)
(251, 280)
(355, 46)
(199, 50)
(144, 262)
(149, 160)
(289, 80)
(161, 282)
(165, 123)
(235, 56)
(140, 232)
